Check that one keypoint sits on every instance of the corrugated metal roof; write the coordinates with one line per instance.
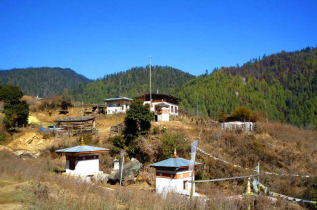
(173, 163)
(82, 149)
(75, 119)
(118, 98)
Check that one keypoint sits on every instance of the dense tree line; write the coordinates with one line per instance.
(131, 83)
(282, 86)
(43, 81)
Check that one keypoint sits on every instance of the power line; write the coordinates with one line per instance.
(224, 179)
(265, 172)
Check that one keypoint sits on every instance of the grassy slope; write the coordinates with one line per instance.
(279, 148)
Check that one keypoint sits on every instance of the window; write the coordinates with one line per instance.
(185, 185)
(172, 109)
(176, 109)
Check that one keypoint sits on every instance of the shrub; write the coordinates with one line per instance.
(169, 142)
(2, 137)
(242, 113)
(118, 141)
(155, 130)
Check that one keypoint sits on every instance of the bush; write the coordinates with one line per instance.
(242, 113)
(155, 130)
(118, 141)
(169, 142)
(2, 137)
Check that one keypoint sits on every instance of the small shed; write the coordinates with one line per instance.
(78, 123)
(173, 175)
(82, 160)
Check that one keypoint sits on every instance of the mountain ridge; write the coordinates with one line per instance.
(281, 86)
(131, 83)
(42, 81)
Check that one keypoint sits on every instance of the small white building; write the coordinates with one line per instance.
(172, 175)
(170, 102)
(116, 165)
(82, 160)
(238, 125)
(162, 112)
(117, 104)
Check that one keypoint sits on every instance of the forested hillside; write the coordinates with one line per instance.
(43, 81)
(131, 83)
(282, 86)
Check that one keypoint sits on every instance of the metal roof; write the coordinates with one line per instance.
(82, 149)
(155, 96)
(76, 119)
(173, 163)
(118, 98)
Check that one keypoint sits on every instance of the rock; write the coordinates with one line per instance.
(101, 177)
(129, 174)
(116, 129)
(26, 154)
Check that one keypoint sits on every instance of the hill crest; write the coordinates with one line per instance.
(42, 81)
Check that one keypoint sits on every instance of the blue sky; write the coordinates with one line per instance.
(95, 38)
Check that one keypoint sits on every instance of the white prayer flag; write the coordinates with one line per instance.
(193, 155)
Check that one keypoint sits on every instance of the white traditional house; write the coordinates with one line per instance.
(117, 104)
(82, 160)
(173, 175)
(161, 100)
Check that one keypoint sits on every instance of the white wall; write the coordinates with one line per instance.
(87, 166)
(163, 117)
(124, 106)
(170, 107)
(84, 167)
(246, 126)
(165, 185)
(114, 110)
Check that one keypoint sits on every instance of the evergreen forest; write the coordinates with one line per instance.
(282, 87)
(42, 81)
(131, 83)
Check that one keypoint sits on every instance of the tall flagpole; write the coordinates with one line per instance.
(150, 86)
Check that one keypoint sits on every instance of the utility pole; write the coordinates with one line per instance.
(150, 86)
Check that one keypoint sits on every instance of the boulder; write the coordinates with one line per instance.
(129, 174)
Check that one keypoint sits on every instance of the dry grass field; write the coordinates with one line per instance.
(32, 183)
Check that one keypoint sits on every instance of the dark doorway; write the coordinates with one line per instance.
(72, 164)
